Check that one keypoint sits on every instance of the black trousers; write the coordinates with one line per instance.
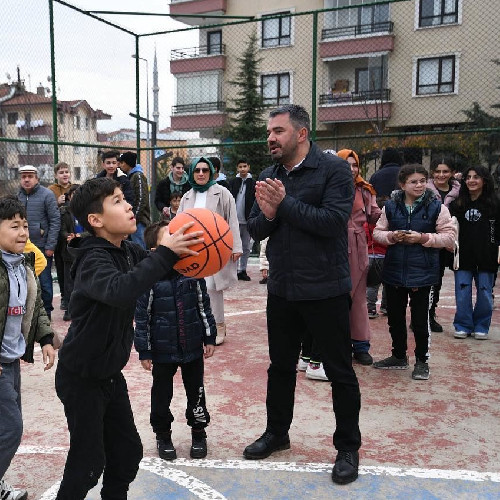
(103, 436)
(397, 301)
(445, 260)
(162, 391)
(328, 322)
(60, 269)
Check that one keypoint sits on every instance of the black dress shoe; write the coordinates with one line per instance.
(345, 469)
(267, 443)
(363, 358)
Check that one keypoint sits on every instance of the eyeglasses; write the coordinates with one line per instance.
(419, 181)
(201, 170)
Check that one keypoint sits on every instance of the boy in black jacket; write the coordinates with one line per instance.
(109, 275)
(175, 327)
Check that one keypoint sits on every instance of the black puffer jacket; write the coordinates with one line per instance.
(307, 248)
(108, 281)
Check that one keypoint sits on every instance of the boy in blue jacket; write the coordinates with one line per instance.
(109, 274)
(174, 326)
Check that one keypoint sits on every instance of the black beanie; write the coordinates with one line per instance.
(389, 155)
(129, 158)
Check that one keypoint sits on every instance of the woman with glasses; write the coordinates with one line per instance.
(206, 193)
(414, 225)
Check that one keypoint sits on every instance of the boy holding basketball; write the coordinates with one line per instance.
(109, 273)
(175, 327)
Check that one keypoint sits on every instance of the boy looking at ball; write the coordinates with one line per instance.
(175, 327)
(109, 273)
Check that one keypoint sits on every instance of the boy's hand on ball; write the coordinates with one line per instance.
(208, 350)
(179, 242)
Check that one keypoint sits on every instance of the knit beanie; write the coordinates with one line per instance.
(129, 158)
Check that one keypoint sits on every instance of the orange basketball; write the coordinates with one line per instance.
(214, 252)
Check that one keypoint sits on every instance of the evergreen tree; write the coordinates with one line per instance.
(246, 112)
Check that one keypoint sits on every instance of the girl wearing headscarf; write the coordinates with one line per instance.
(206, 193)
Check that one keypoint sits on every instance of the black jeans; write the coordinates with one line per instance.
(68, 282)
(328, 322)
(103, 436)
(397, 300)
(197, 415)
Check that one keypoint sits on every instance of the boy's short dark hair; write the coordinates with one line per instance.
(10, 206)
(60, 165)
(241, 160)
(110, 154)
(178, 159)
(215, 161)
(151, 233)
(175, 194)
(88, 199)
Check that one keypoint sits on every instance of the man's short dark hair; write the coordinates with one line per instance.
(89, 197)
(110, 154)
(215, 161)
(241, 160)
(178, 159)
(10, 206)
(298, 116)
(151, 233)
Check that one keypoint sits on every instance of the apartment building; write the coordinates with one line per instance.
(411, 65)
(28, 115)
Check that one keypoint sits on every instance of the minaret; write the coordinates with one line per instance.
(156, 112)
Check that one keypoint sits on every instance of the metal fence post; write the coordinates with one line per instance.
(55, 137)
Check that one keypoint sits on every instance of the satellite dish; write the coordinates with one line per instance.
(8, 76)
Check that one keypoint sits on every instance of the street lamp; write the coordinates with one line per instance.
(148, 168)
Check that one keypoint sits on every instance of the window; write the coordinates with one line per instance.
(77, 150)
(202, 88)
(275, 89)
(78, 173)
(276, 31)
(86, 123)
(437, 12)
(61, 118)
(76, 122)
(12, 118)
(369, 79)
(436, 75)
(214, 42)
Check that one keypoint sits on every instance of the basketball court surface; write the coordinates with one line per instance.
(435, 439)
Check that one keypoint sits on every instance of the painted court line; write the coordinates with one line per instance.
(153, 464)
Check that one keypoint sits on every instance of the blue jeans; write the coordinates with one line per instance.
(477, 319)
(46, 285)
(138, 236)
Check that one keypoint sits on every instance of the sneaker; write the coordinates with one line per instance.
(372, 314)
(243, 276)
(7, 492)
(165, 447)
(435, 326)
(316, 371)
(267, 444)
(346, 466)
(392, 363)
(420, 371)
(302, 364)
(363, 358)
(461, 335)
(481, 335)
(383, 310)
(198, 444)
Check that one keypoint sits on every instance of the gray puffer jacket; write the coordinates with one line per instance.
(44, 219)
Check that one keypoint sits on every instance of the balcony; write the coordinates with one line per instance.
(193, 7)
(35, 159)
(44, 130)
(354, 106)
(359, 39)
(198, 59)
(198, 116)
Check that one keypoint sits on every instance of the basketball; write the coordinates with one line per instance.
(214, 252)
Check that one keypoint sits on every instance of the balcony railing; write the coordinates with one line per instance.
(357, 30)
(202, 51)
(203, 107)
(45, 130)
(355, 97)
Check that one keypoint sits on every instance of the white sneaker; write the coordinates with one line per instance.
(7, 492)
(316, 372)
(461, 335)
(481, 335)
(302, 365)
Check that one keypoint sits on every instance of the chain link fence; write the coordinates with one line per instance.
(421, 76)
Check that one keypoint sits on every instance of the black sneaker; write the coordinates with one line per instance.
(392, 363)
(435, 326)
(267, 443)
(243, 276)
(420, 371)
(346, 466)
(198, 444)
(166, 449)
(363, 358)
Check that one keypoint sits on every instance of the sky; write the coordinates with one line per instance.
(93, 60)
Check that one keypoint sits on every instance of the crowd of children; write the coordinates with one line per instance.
(404, 242)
